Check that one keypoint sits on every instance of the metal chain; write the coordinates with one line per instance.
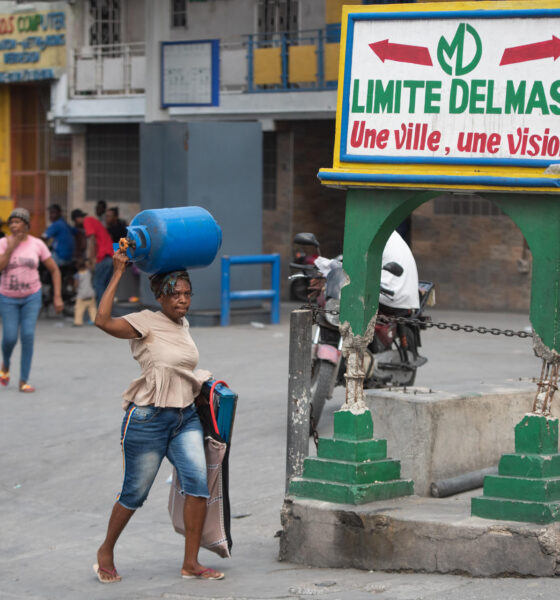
(547, 385)
(428, 323)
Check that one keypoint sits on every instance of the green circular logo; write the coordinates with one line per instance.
(463, 53)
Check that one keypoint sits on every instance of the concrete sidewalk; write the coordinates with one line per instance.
(61, 469)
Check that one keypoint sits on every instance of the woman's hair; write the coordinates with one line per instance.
(163, 284)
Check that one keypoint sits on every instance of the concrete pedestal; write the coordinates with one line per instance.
(352, 467)
(437, 435)
(419, 534)
(527, 487)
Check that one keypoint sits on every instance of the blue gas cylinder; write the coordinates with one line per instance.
(170, 239)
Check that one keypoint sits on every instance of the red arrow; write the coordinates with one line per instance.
(419, 55)
(517, 54)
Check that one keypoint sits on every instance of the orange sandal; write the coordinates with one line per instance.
(26, 388)
(4, 378)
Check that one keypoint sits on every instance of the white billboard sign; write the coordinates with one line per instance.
(447, 85)
(456, 90)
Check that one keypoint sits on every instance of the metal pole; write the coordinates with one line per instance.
(285, 62)
(224, 312)
(250, 65)
(299, 393)
(275, 281)
(461, 483)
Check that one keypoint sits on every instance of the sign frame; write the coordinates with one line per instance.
(214, 49)
(429, 172)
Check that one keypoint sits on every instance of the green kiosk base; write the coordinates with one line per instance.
(527, 487)
(352, 467)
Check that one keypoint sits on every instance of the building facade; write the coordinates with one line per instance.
(227, 104)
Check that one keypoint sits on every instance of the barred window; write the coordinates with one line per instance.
(178, 13)
(465, 205)
(112, 163)
(60, 149)
(277, 16)
(105, 28)
(269, 170)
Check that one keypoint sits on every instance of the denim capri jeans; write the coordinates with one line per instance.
(149, 434)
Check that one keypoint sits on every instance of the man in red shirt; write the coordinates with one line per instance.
(99, 250)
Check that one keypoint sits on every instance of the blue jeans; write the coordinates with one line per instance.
(147, 435)
(101, 277)
(19, 314)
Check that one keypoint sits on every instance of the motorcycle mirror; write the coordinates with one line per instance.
(394, 268)
(306, 239)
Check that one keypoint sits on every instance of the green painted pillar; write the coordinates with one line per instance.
(353, 468)
(371, 217)
(538, 218)
(527, 487)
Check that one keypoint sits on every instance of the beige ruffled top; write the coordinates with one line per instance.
(168, 358)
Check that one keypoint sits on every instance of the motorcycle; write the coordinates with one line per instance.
(303, 262)
(391, 359)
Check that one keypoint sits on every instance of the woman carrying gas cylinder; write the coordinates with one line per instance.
(160, 415)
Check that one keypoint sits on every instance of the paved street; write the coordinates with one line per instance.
(61, 469)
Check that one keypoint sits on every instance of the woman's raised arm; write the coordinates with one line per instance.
(119, 328)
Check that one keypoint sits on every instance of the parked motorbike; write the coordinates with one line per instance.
(303, 263)
(391, 359)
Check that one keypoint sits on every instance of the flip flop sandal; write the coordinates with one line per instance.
(27, 389)
(4, 378)
(205, 574)
(111, 572)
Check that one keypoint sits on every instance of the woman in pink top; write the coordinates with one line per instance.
(20, 293)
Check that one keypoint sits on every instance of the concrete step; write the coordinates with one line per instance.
(353, 450)
(530, 465)
(416, 534)
(347, 493)
(522, 488)
(515, 510)
(351, 472)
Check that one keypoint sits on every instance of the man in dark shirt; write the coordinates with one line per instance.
(115, 226)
